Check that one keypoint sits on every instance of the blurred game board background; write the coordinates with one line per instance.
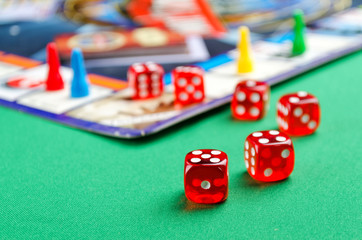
(115, 33)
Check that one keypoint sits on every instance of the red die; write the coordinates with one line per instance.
(146, 80)
(206, 176)
(269, 155)
(250, 100)
(189, 85)
(298, 114)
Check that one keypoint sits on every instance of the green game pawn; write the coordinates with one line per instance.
(299, 39)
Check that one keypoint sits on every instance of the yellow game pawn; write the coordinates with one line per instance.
(245, 63)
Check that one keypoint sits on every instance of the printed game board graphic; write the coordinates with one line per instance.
(121, 111)
(272, 60)
(6, 69)
(60, 101)
(10, 63)
(19, 61)
(110, 109)
(37, 74)
(186, 16)
(347, 21)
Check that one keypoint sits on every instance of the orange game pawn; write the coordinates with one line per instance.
(54, 81)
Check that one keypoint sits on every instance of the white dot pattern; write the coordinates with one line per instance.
(205, 184)
(282, 123)
(285, 153)
(246, 164)
(253, 152)
(293, 99)
(195, 160)
(215, 152)
(190, 88)
(268, 172)
(138, 67)
(246, 145)
(252, 161)
(252, 170)
(142, 85)
(297, 112)
(155, 77)
(198, 95)
(183, 96)
(283, 109)
(263, 140)
(305, 118)
(240, 109)
(143, 93)
(280, 139)
(197, 152)
(246, 155)
(205, 156)
(254, 97)
(302, 94)
(155, 84)
(312, 124)
(214, 160)
(142, 77)
(240, 96)
(273, 132)
(181, 82)
(257, 134)
(151, 65)
(250, 83)
(196, 80)
(254, 111)
(156, 91)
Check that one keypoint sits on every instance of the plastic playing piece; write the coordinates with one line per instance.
(80, 85)
(54, 81)
(299, 38)
(244, 62)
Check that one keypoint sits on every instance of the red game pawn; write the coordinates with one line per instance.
(54, 81)
(269, 155)
(206, 176)
(189, 85)
(298, 113)
(250, 100)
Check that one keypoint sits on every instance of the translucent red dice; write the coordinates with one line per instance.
(269, 155)
(250, 100)
(206, 176)
(298, 113)
(146, 80)
(189, 85)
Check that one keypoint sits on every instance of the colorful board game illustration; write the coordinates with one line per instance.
(111, 108)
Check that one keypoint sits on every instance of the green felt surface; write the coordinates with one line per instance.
(63, 183)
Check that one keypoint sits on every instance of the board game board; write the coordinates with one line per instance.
(109, 109)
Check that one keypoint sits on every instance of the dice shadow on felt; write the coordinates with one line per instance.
(248, 182)
(185, 205)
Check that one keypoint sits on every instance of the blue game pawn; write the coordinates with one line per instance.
(80, 85)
